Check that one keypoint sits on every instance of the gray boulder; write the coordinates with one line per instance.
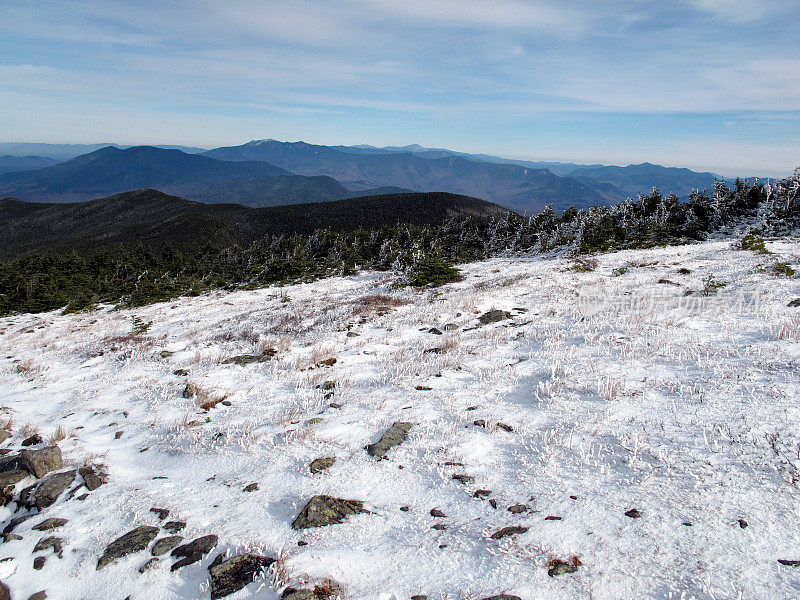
(165, 544)
(193, 551)
(91, 479)
(51, 487)
(41, 462)
(326, 510)
(12, 477)
(235, 573)
(321, 464)
(394, 436)
(493, 316)
(133, 541)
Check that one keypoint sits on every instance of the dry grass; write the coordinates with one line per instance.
(29, 429)
(58, 435)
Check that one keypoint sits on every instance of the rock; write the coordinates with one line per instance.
(507, 531)
(150, 564)
(41, 462)
(181, 372)
(435, 512)
(552, 518)
(450, 327)
(463, 478)
(250, 487)
(301, 595)
(794, 303)
(165, 544)
(51, 487)
(505, 427)
(11, 462)
(394, 436)
(56, 543)
(91, 479)
(328, 386)
(10, 537)
(5, 594)
(423, 388)
(118, 435)
(12, 477)
(247, 359)
(633, 513)
(193, 551)
(742, 524)
(419, 597)
(326, 510)
(503, 597)
(38, 563)
(134, 541)
(175, 526)
(352, 334)
(493, 316)
(434, 331)
(492, 502)
(50, 524)
(32, 440)
(789, 563)
(162, 513)
(235, 573)
(482, 493)
(558, 567)
(322, 464)
(37, 596)
(479, 423)
(315, 421)
(189, 391)
(439, 527)
(14, 522)
(517, 509)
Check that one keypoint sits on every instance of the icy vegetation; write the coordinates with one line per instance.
(619, 427)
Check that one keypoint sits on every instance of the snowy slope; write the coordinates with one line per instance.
(685, 411)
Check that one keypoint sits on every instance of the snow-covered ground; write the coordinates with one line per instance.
(621, 392)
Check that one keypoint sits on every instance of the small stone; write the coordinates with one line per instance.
(51, 487)
(302, 543)
(494, 316)
(250, 487)
(482, 493)
(134, 541)
(162, 513)
(463, 478)
(335, 405)
(559, 567)
(41, 462)
(404, 508)
(174, 526)
(91, 479)
(165, 544)
(507, 531)
(193, 551)
(325, 510)
(57, 545)
(82, 497)
(329, 386)
(789, 563)
(633, 513)
(450, 327)
(794, 303)
(151, 563)
(423, 388)
(10, 537)
(505, 427)
(42, 595)
(50, 524)
(552, 518)
(394, 436)
(14, 522)
(5, 593)
(419, 597)
(434, 331)
(686, 524)
(118, 435)
(319, 465)
(189, 391)
(315, 421)
(300, 595)
(180, 372)
(32, 440)
(439, 527)
(235, 573)
(38, 563)
(503, 597)
(743, 524)
(492, 502)
(479, 423)
(435, 512)
(517, 509)
(352, 334)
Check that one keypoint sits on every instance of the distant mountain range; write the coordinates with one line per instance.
(62, 152)
(152, 218)
(268, 173)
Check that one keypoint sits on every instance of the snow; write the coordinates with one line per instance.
(687, 412)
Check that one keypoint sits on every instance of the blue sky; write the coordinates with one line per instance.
(706, 84)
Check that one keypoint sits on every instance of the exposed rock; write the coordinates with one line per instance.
(326, 510)
(162, 513)
(189, 391)
(56, 543)
(633, 513)
(12, 477)
(247, 359)
(12, 462)
(50, 524)
(91, 479)
(250, 487)
(14, 522)
(507, 531)
(193, 551)
(439, 527)
(394, 436)
(450, 327)
(42, 595)
(789, 563)
(5, 594)
(743, 524)
(133, 541)
(181, 372)
(503, 597)
(505, 427)
(517, 509)
(463, 478)
(321, 464)
(165, 544)
(38, 563)
(492, 502)
(300, 595)
(552, 518)
(559, 567)
(479, 423)
(51, 487)
(315, 421)
(482, 493)
(118, 435)
(41, 462)
(434, 331)
(174, 526)
(435, 512)
(794, 303)
(235, 573)
(32, 440)
(149, 564)
(419, 597)
(10, 537)
(493, 316)
(423, 388)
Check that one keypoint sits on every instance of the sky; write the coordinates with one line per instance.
(705, 84)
